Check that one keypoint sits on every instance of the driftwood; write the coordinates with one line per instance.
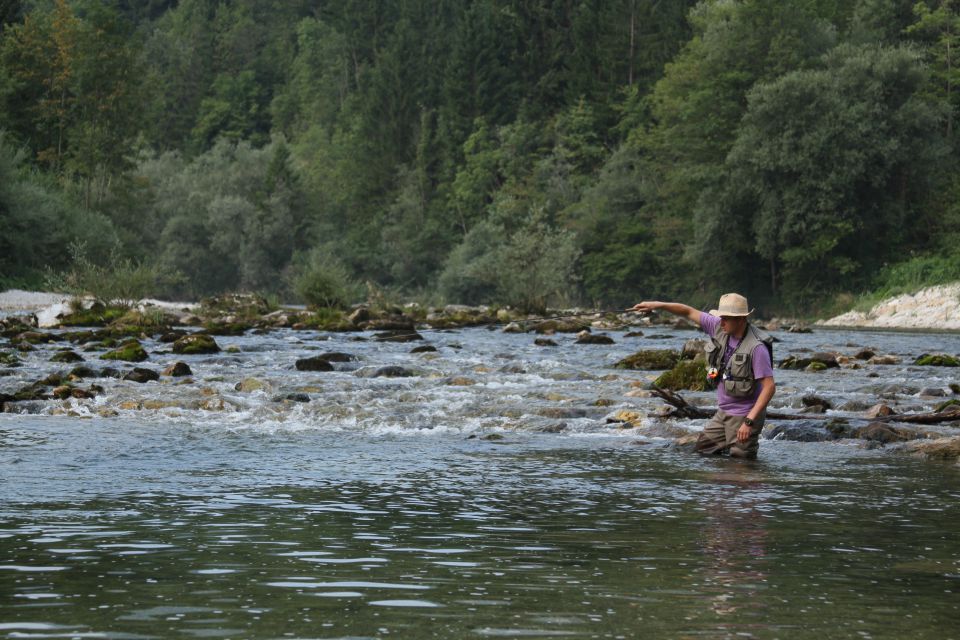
(687, 410)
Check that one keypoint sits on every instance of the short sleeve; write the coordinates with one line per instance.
(709, 324)
(762, 366)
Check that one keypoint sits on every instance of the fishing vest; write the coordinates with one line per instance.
(737, 375)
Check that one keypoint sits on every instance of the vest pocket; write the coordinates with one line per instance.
(738, 388)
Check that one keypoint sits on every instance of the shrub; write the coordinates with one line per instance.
(120, 282)
(322, 281)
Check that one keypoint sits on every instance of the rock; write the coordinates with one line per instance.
(829, 360)
(816, 401)
(62, 392)
(84, 371)
(427, 348)
(937, 360)
(807, 431)
(878, 411)
(797, 328)
(686, 444)
(633, 334)
(853, 405)
(392, 372)
(814, 367)
(141, 375)
(292, 397)
(359, 316)
(178, 370)
(545, 342)
(694, 348)
(954, 387)
(562, 413)
(66, 356)
(864, 354)
(566, 325)
(585, 337)
(460, 381)
(883, 360)
(8, 359)
(626, 416)
(943, 406)
(650, 360)
(398, 335)
(129, 351)
(248, 385)
(552, 428)
(884, 433)
(31, 337)
(604, 402)
(337, 356)
(940, 449)
(932, 392)
(514, 327)
(687, 374)
(316, 363)
(196, 343)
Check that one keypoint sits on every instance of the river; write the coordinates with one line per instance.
(484, 496)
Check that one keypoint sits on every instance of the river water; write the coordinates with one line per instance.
(385, 507)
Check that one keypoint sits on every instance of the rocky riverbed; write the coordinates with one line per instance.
(476, 371)
(935, 308)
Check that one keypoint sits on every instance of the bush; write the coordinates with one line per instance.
(121, 282)
(322, 281)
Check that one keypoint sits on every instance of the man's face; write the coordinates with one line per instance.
(732, 325)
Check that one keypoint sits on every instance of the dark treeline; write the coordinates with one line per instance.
(516, 152)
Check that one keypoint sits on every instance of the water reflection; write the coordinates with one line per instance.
(735, 543)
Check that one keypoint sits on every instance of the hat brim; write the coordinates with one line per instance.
(730, 314)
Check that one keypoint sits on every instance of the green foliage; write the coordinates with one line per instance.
(687, 374)
(119, 282)
(321, 281)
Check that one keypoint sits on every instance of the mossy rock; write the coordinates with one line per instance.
(196, 343)
(96, 316)
(8, 359)
(66, 356)
(937, 360)
(955, 387)
(561, 326)
(226, 328)
(815, 367)
(650, 360)
(946, 405)
(688, 374)
(130, 351)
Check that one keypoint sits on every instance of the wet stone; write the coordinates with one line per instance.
(545, 342)
(427, 348)
(142, 375)
(66, 356)
(178, 369)
(316, 363)
(392, 372)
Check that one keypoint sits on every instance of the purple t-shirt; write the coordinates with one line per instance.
(759, 360)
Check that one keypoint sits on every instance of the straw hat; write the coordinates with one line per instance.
(732, 305)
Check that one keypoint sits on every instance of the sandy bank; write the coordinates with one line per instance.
(931, 308)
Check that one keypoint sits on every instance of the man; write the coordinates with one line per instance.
(739, 362)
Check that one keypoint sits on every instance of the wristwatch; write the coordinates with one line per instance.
(748, 422)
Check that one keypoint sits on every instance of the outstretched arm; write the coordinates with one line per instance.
(676, 308)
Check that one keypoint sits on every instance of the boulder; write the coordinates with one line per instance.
(358, 316)
(807, 431)
(633, 334)
(177, 370)
(827, 359)
(141, 375)
(883, 360)
(8, 359)
(460, 381)
(650, 360)
(939, 449)
(544, 342)
(292, 397)
(129, 351)
(694, 348)
(816, 401)
(864, 354)
(196, 343)
(316, 363)
(31, 337)
(514, 327)
(564, 325)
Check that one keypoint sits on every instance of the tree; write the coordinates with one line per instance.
(835, 164)
(940, 28)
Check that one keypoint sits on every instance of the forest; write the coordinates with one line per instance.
(528, 153)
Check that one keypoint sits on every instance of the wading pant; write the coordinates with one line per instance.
(721, 433)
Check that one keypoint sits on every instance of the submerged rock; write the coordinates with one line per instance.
(585, 337)
(807, 430)
(427, 348)
(545, 342)
(940, 449)
(392, 372)
(66, 356)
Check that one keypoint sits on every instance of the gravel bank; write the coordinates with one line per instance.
(931, 308)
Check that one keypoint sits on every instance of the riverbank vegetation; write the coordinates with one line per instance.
(491, 151)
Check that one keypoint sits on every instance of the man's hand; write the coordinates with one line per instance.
(743, 433)
(645, 307)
